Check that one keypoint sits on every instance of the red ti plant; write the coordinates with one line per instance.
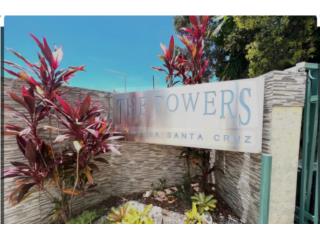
(66, 160)
(188, 65)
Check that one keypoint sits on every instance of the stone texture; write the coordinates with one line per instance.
(135, 170)
(238, 182)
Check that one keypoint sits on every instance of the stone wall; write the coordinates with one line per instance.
(135, 170)
(238, 182)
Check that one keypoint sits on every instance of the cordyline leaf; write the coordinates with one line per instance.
(18, 99)
(164, 49)
(19, 164)
(171, 46)
(37, 41)
(66, 107)
(21, 143)
(194, 21)
(159, 69)
(43, 49)
(11, 72)
(30, 152)
(187, 30)
(61, 138)
(193, 51)
(71, 191)
(100, 159)
(70, 72)
(113, 149)
(11, 172)
(23, 76)
(186, 42)
(115, 138)
(93, 132)
(47, 127)
(32, 82)
(12, 129)
(93, 166)
(39, 90)
(19, 193)
(31, 65)
(25, 131)
(14, 65)
(204, 22)
(44, 72)
(48, 54)
(28, 99)
(84, 106)
(87, 172)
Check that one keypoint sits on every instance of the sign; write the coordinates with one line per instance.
(221, 115)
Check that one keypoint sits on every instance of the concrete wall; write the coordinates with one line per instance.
(135, 170)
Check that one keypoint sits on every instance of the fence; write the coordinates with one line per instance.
(308, 200)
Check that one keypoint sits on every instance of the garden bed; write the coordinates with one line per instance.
(168, 202)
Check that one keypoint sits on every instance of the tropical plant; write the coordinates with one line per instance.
(204, 203)
(86, 217)
(127, 214)
(56, 159)
(188, 65)
(193, 216)
(246, 46)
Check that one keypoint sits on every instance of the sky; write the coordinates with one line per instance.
(112, 48)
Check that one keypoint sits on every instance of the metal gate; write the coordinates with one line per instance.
(308, 191)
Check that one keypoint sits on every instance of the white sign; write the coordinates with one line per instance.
(221, 115)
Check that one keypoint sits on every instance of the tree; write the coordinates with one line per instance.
(248, 46)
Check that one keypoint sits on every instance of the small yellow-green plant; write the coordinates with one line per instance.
(204, 203)
(127, 214)
(193, 216)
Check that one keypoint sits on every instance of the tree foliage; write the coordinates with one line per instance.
(247, 46)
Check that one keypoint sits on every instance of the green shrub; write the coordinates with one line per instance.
(205, 203)
(127, 214)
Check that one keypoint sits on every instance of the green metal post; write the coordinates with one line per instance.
(305, 153)
(266, 165)
(308, 209)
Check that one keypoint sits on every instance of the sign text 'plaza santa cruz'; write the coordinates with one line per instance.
(221, 115)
